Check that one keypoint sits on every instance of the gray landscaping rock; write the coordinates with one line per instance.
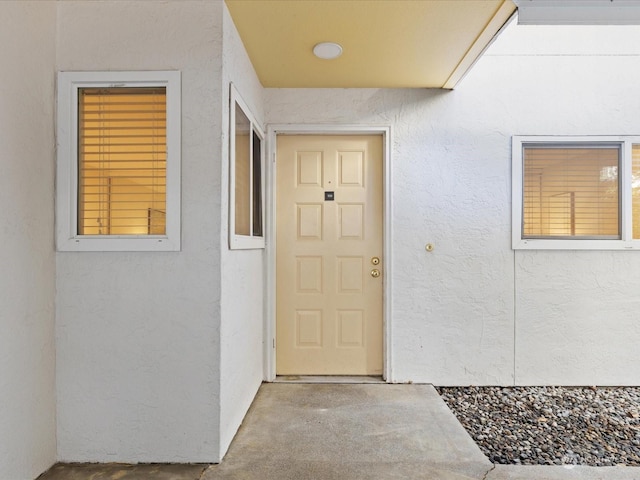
(551, 425)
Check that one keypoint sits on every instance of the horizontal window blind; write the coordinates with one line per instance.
(635, 190)
(122, 150)
(571, 191)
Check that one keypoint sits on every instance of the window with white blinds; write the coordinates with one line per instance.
(118, 181)
(122, 150)
(571, 191)
(576, 193)
(635, 190)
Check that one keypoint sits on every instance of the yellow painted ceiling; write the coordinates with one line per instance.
(386, 43)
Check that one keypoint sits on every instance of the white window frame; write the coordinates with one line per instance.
(625, 242)
(244, 242)
(67, 237)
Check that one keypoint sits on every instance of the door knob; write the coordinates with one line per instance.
(375, 273)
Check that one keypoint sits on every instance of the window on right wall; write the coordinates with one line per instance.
(576, 193)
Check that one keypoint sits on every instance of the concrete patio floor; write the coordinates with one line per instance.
(346, 431)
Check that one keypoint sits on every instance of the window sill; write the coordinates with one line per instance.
(542, 244)
(117, 243)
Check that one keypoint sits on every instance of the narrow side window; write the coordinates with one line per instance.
(246, 191)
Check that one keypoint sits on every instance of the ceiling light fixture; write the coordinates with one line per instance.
(327, 50)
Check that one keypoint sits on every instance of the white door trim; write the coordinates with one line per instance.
(270, 270)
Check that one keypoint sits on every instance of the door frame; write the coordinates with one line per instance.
(269, 354)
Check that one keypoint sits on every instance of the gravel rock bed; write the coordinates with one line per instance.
(551, 425)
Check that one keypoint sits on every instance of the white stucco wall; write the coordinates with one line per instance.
(473, 311)
(27, 262)
(138, 333)
(242, 307)
(159, 355)
(576, 317)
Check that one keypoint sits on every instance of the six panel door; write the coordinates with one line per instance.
(329, 238)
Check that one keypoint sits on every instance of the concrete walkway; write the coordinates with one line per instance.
(336, 431)
(323, 431)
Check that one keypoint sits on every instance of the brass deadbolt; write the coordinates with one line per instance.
(375, 261)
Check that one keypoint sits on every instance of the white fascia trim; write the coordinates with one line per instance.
(578, 12)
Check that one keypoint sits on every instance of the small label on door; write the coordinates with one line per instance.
(329, 196)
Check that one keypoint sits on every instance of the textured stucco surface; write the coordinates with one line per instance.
(452, 320)
(158, 355)
(473, 311)
(27, 262)
(576, 311)
(242, 308)
(138, 333)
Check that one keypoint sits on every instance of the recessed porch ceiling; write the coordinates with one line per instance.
(386, 43)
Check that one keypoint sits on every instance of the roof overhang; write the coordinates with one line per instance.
(386, 43)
